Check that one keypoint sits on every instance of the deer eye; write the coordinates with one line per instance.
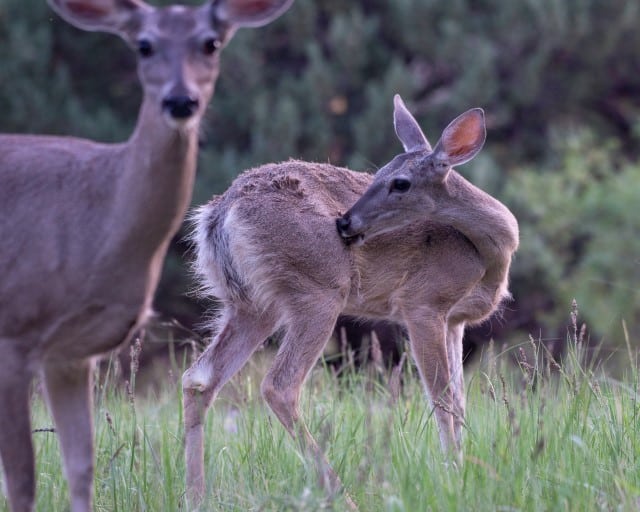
(400, 185)
(145, 48)
(211, 45)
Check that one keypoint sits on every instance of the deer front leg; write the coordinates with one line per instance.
(240, 335)
(300, 350)
(68, 391)
(16, 449)
(454, 352)
(427, 339)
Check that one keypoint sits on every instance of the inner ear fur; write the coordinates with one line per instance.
(464, 137)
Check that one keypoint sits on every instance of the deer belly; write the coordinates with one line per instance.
(90, 331)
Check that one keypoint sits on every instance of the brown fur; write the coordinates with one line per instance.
(434, 258)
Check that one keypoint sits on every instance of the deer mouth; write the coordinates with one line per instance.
(346, 232)
(352, 240)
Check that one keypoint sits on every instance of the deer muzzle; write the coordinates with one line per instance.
(349, 235)
(180, 107)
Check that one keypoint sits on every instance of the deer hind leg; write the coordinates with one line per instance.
(68, 391)
(305, 338)
(16, 448)
(455, 333)
(241, 333)
(427, 339)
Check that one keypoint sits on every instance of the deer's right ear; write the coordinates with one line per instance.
(249, 13)
(407, 128)
(113, 16)
(463, 138)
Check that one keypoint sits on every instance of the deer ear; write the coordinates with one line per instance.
(249, 13)
(407, 128)
(462, 139)
(114, 16)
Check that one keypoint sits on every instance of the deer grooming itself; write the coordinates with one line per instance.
(421, 247)
(79, 279)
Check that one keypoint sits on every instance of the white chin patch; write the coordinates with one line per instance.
(185, 124)
(354, 241)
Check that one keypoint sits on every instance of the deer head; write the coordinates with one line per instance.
(177, 46)
(406, 189)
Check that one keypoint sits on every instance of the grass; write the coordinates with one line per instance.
(538, 438)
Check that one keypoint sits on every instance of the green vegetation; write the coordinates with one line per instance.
(539, 437)
(579, 235)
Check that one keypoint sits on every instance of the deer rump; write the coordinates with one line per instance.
(271, 239)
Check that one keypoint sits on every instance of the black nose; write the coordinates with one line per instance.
(180, 107)
(343, 223)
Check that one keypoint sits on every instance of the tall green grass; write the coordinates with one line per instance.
(539, 437)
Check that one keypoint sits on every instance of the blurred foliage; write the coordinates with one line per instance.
(558, 79)
(42, 90)
(579, 231)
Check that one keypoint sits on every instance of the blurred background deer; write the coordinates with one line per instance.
(86, 226)
(420, 246)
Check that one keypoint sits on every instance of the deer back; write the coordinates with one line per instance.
(273, 231)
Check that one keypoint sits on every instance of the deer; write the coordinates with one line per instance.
(78, 279)
(290, 246)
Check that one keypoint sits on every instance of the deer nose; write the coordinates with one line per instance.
(179, 106)
(349, 234)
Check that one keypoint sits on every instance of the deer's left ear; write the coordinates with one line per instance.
(407, 128)
(113, 16)
(249, 13)
(462, 139)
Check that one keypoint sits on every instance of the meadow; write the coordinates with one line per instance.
(540, 436)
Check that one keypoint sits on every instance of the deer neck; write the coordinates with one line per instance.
(485, 221)
(157, 183)
(155, 174)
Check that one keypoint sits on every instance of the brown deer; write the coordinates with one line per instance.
(421, 246)
(85, 226)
